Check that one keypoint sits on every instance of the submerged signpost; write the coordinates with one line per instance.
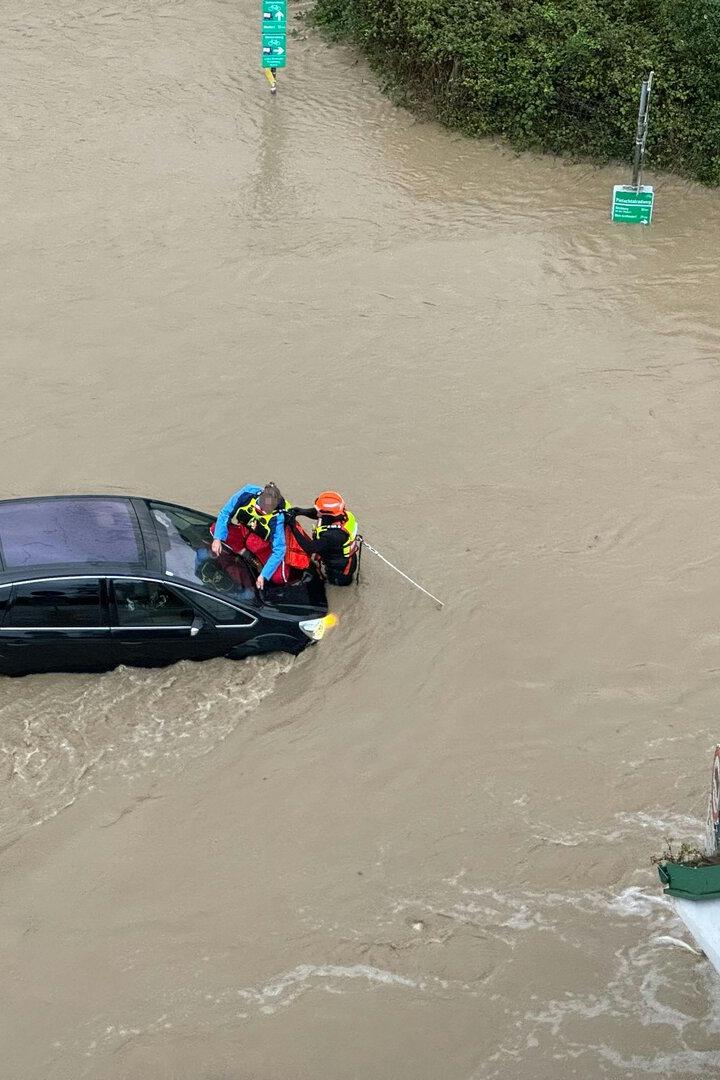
(274, 38)
(633, 203)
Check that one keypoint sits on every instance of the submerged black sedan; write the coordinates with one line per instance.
(90, 582)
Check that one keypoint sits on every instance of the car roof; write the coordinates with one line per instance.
(58, 535)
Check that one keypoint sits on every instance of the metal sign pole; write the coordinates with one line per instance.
(633, 203)
(642, 129)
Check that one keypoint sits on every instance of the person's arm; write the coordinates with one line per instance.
(223, 518)
(303, 511)
(328, 543)
(278, 549)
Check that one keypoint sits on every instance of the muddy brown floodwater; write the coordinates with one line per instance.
(422, 850)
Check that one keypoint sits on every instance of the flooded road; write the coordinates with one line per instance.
(422, 849)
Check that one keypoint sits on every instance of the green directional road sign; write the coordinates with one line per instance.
(274, 33)
(633, 205)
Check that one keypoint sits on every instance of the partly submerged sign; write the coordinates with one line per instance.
(274, 33)
(633, 205)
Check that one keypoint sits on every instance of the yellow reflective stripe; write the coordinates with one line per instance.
(251, 509)
(349, 526)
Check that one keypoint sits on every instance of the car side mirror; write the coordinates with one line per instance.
(197, 625)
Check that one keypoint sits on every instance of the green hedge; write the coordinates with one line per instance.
(557, 75)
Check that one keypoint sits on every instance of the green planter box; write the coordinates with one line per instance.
(690, 882)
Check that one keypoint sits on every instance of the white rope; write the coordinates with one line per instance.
(400, 572)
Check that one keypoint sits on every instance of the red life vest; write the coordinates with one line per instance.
(294, 554)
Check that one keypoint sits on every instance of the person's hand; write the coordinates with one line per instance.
(260, 582)
(216, 547)
(290, 512)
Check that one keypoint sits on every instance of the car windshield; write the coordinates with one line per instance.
(185, 540)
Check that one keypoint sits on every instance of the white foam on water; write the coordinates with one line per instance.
(539, 909)
(673, 826)
(681, 1063)
(63, 733)
(654, 979)
(300, 975)
(676, 825)
(636, 902)
(668, 939)
(651, 981)
(207, 1008)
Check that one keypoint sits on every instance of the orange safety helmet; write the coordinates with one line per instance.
(330, 504)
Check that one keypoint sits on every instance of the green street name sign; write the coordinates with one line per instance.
(634, 206)
(274, 33)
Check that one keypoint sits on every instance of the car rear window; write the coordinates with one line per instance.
(43, 532)
(57, 603)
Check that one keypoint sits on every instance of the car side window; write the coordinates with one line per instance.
(54, 604)
(149, 603)
(224, 613)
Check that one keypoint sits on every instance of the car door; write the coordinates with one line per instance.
(235, 627)
(154, 624)
(5, 594)
(55, 624)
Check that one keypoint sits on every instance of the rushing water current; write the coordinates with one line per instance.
(422, 850)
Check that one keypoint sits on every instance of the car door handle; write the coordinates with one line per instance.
(197, 625)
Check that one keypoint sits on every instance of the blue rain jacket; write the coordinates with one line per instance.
(277, 527)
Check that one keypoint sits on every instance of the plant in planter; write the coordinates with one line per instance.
(689, 873)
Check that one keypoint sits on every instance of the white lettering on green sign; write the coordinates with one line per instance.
(633, 205)
(274, 33)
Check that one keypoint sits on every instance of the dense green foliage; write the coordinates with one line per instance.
(561, 75)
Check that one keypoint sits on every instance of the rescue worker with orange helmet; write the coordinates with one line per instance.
(335, 541)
